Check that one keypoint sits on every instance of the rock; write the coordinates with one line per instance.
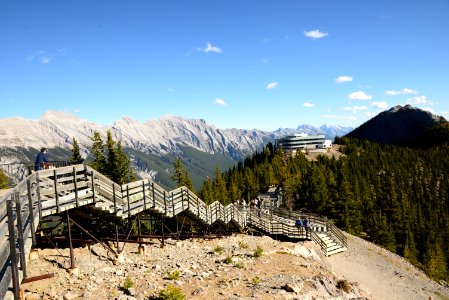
(69, 296)
(198, 291)
(132, 291)
(33, 296)
(119, 272)
(291, 288)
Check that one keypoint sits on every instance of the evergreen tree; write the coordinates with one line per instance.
(207, 193)
(75, 158)
(99, 162)
(125, 173)
(178, 172)
(188, 182)
(4, 182)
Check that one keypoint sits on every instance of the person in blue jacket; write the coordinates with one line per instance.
(41, 158)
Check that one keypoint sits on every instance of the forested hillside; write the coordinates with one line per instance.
(394, 196)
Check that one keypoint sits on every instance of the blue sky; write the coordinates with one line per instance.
(236, 64)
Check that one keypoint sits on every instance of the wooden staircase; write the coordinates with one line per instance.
(50, 192)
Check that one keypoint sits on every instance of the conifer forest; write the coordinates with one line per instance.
(396, 197)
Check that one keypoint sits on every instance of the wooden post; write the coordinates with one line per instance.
(144, 196)
(165, 203)
(129, 205)
(20, 236)
(173, 204)
(72, 255)
(55, 180)
(38, 191)
(12, 249)
(76, 187)
(31, 210)
(154, 199)
(114, 197)
(93, 187)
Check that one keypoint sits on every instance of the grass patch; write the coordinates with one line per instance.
(218, 249)
(238, 265)
(258, 251)
(128, 283)
(344, 285)
(171, 293)
(255, 280)
(174, 275)
(228, 260)
(242, 245)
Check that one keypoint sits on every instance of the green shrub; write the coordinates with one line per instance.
(238, 265)
(171, 293)
(228, 260)
(255, 280)
(258, 251)
(219, 249)
(174, 275)
(243, 245)
(344, 285)
(128, 283)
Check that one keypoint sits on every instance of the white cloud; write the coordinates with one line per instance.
(359, 95)
(219, 101)
(380, 104)
(210, 48)
(404, 91)
(343, 78)
(308, 104)
(272, 85)
(445, 113)
(419, 100)
(315, 34)
(355, 109)
(46, 59)
(429, 109)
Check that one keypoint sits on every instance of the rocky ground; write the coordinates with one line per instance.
(228, 268)
(225, 268)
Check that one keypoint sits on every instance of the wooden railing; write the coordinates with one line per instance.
(50, 192)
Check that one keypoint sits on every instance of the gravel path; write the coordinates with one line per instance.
(385, 275)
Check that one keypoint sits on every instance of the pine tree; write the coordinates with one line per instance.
(178, 172)
(4, 182)
(188, 182)
(98, 150)
(207, 194)
(76, 156)
(125, 173)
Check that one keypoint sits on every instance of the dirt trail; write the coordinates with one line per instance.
(386, 275)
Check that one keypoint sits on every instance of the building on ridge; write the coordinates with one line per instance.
(302, 142)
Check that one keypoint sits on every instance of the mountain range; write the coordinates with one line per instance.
(152, 145)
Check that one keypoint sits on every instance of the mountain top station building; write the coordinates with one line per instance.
(302, 141)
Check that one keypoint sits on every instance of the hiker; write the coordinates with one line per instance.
(306, 224)
(298, 223)
(41, 160)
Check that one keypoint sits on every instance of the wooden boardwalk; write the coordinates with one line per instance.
(50, 192)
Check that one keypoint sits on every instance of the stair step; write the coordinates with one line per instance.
(329, 253)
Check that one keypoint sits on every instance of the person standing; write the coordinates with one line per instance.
(41, 159)
(306, 224)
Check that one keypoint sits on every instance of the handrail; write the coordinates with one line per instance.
(52, 191)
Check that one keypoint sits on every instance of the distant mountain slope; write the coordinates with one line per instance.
(152, 145)
(400, 125)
